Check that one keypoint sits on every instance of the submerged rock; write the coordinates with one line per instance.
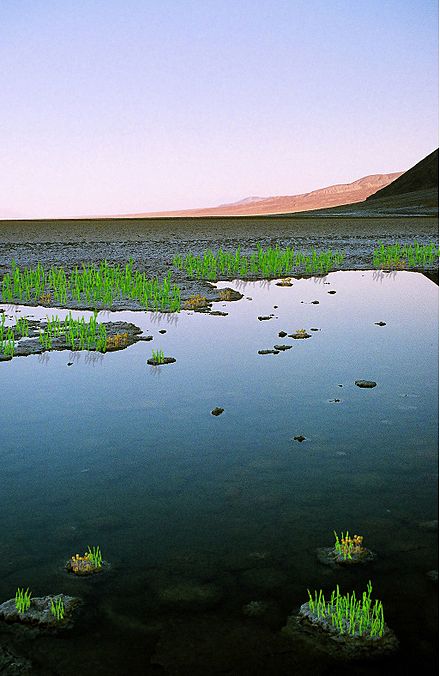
(255, 608)
(299, 438)
(365, 383)
(217, 410)
(13, 665)
(190, 593)
(432, 575)
(39, 612)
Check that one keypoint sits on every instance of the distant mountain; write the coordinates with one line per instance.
(422, 176)
(333, 195)
(413, 193)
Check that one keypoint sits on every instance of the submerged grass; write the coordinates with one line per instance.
(92, 284)
(269, 262)
(349, 615)
(405, 256)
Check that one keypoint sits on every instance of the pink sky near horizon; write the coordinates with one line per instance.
(112, 108)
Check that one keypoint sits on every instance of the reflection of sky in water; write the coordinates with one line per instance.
(113, 451)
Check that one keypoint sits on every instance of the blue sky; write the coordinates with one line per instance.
(130, 106)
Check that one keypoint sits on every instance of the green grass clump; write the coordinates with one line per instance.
(158, 356)
(270, 262)
(57, 608)
(94, 555)
(79, 333)
(347, 614)
(92, 284)
(22, 599)
(410, 256)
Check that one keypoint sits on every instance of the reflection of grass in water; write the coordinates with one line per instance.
(269, 262)
(405, 256)
(348, 615)
(94, 284)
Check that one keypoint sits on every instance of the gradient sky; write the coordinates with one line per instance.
(116, 106)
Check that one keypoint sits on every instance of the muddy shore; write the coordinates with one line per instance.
(152, 243)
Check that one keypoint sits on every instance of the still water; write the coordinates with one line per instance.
(201, 515)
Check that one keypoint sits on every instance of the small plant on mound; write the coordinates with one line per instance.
(57, 608)
(196, 301)
(347, 615)
(22, 599)
(348, 547)
(89, 563)
(158, 356)
(117, 341)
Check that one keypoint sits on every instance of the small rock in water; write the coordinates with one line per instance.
(314, 302)
(268, 352)
(365, 383)
(380, 323)
(162, 330)
(70, 363)
(433, 575)
(334, 401)
(282, 334)
(275, 307)
(281, 348)
(331, 292)
(315, 329)
(217, 410)
(299, 438)
(264, 317)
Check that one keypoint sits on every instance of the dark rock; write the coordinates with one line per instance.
(268, 352)
(299, 335)
(315, 329)
(217, 410)
(299, 438)
(264, 317)
(166, 360)
(162, 330)
(39, 614)
(328, 556)
(70, 363)
(314, 302)
(331, 292)
(145, 338)
(365, 383)
(282, 334)
(281, 348)
(380, 323)
(218, 313)
(319, 635)
(334, 401)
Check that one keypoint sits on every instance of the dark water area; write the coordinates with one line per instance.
(199, 515)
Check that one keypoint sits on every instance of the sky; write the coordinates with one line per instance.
(125, 106)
